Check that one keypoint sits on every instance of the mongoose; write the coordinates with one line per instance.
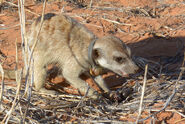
(76, 50)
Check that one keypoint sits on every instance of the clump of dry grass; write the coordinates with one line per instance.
(27, 56)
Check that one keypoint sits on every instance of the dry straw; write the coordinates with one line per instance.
(27, 56)
(142, 94)
(2, 86)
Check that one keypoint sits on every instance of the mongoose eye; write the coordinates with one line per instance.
(120, 60)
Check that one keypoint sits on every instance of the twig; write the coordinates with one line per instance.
(17, 61)
(82, 99)
(5, 28)
(22, 24)
(62, 95)
(25, 9)
(116, 22)
(135, 102)
(179, 120)
(168, 110)
(109, 8)
(144, 11)
(2, 85)
(105, 121)
(60, 106)
(33, 120)
(143, 92)
(8, 115)
(90, 4)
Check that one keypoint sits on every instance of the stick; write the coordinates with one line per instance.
(116, 22)
(25, 9)
(143, 92)
(83, 98)
(90, 5)
(8, 115)
(2, 86)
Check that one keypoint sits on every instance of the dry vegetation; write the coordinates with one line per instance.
(159, 88)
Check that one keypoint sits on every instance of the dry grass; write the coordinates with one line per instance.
(43, 108)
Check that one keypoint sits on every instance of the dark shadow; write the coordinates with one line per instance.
(158, 47)
(168, 52)
(114, 80)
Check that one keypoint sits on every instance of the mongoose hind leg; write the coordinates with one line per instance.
(40, 73)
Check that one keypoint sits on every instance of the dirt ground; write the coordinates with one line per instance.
(153, 29)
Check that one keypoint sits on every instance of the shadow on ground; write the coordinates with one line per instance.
(168, 52)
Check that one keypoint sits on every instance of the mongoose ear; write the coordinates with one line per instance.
(96, 53)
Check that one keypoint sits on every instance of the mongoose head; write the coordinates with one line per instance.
(111, 53)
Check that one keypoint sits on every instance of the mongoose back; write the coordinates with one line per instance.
(65, 42)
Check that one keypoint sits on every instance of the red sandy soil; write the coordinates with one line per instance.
(150, 27)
